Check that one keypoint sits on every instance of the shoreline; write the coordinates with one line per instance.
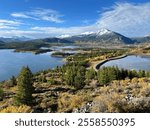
(97, 65)
(36, 51)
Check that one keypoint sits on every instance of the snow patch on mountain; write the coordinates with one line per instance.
(87, 33)
(103, 31)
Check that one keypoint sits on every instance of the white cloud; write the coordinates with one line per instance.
(53, 31)
(20, 15)
(125, 18)
(42, 32)
(19, 33)
(40, 14)
(128, 19)
(9, 24)
(6, 27)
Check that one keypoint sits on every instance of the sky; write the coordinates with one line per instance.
(61, 18)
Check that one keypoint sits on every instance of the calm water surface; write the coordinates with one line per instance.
(131, 62)
(11, 63)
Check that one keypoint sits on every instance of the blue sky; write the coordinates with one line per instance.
(49, 18)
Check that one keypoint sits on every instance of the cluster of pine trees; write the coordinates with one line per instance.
(78, 76)
(107, 74)
(75, 76)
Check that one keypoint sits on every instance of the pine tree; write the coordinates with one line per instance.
(1, 94)
(79, 80)
(90, 74)
(25, 88)
(141, 73)
(13, 81)
(70, 75)
(103, 76)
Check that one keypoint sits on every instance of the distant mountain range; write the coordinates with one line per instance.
(104, 36)
(56, 40)
(141, 39)
(14, 39)
(1, 42)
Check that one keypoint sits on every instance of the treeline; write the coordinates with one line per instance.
(77, 76)
(108, 53)
(107, 74)
(73, 74)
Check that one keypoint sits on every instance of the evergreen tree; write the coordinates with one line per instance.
(147, 74)
(75, 76)
(1, 94)
(90, 74)
(141, 73)
(25, 88)
(79, 80)
(111, 71)
(70, 75)
(103, 76)
(13, 81)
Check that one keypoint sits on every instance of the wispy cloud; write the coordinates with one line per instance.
(126, 18)
(53, 31)
(9, 24)
(19, 33)
(20, 15)
(42, 32)
(40, 14)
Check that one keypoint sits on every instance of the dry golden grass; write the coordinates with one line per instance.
(114, 97)
(16, 109)
(67, 102)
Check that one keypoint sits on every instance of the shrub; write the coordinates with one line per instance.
(15, 109)
(67, 102)
(51, 81)
(145, 91)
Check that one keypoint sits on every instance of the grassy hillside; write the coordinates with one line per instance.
(76, 87)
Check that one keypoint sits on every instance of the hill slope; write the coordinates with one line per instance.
(103, 36)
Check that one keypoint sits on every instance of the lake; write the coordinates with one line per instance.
(131, 62)
(11, 63)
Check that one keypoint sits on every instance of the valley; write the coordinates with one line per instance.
(74, 85)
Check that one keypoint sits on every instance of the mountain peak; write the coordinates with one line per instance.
(104, 31)
(98, 33)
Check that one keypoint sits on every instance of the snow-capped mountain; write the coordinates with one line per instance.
(87, 33)
(98, 33)
(102, 36)
(104, 32)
